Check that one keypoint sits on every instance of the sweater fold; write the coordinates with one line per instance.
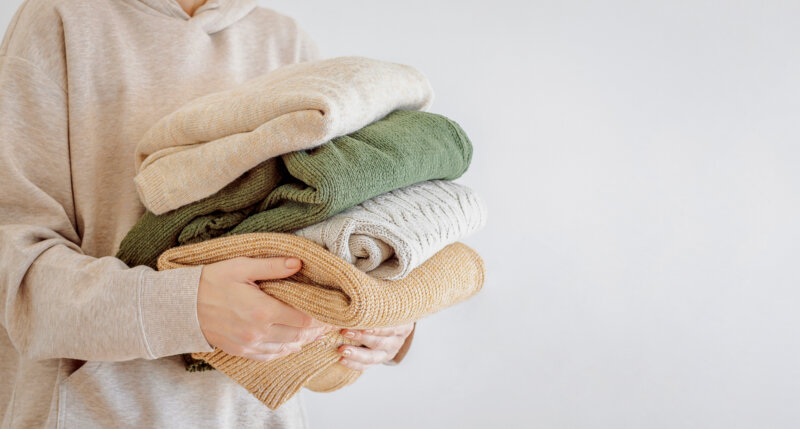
(391, 234)
(153, 234)
(300, 106)
(336, 292)
(303, 188)
(406, 147)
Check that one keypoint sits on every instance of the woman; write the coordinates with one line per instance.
(80, 82)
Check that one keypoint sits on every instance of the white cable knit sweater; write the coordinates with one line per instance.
(391, 234)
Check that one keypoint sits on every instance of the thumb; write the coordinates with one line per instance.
(268, 268)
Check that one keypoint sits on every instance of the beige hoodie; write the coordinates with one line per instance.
(80, 82)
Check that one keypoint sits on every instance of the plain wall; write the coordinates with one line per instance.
(639, 162)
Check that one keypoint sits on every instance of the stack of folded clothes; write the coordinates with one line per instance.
(333, 162)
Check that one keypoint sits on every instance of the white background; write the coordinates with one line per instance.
(639, 161)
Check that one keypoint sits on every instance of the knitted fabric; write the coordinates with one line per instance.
(334, 291)
(403, 148)
(153, 234)
(393, 233)
(206, 144)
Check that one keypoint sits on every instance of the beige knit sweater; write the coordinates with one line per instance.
(209, 142)
(81, 81)
(333, 291)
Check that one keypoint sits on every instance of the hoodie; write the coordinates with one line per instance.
(85, 340)
(212, 16)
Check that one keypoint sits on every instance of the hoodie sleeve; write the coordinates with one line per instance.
(55, 301)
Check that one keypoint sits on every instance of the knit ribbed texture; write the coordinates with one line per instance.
(403, 148)
(406, 147)
(300, 106)
(153, 234)
(393, 233)
(334, 291)
(314, 367)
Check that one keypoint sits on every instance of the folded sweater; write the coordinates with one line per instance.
(334, 291)
(404, 148)
(393, 233)
(206, 144)
(153, 234)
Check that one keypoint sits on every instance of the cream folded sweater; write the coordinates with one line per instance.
(206, 144)
(393, 233)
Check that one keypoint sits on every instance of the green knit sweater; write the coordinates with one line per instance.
(305, 187)
(153, 234)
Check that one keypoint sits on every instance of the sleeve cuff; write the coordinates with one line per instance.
(168, 305)
(404, 348)
(153, 191)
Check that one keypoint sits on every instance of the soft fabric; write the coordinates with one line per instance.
(336, 292)
(68, 133)
(153, 234)
(403, 148)
(206, 144)
(393, 233)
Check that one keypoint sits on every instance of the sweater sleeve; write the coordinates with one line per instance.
(56, 301)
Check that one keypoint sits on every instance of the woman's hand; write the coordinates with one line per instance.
(379, 345)
(237, 317)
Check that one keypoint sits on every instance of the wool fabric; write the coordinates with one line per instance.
(389, 235)
(198, 149)
(406, 147)
(153, 234)
(333, 291)
(403, 148)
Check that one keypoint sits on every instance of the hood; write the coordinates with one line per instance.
(213, 16)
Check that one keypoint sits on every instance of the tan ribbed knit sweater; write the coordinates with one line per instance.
(333, 291)
(206, 144)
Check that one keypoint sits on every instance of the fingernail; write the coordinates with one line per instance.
(370, 331)
(349, 334)
(292, 263)
(346, 352)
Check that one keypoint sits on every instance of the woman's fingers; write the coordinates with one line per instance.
(379, 345)
(240, 319)
(252, 269)
(360, 358)
(373, 336)
(272, 311)
(376, 342)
